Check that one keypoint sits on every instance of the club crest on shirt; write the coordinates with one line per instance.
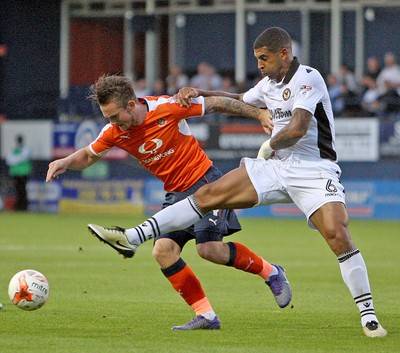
(161, 122)
(286, 94)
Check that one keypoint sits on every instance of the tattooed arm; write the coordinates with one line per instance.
(289, 135)
(294, 131)
(234, 107)
(185, 93)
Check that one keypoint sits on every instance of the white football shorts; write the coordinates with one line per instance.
(308, 182)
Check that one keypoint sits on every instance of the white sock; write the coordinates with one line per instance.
(209, 315)
(274, 272)
(355, 275)
(177, 216)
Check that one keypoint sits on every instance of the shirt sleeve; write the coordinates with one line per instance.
(255, 96)
(103, 142)
(197, 103)
(310, 92)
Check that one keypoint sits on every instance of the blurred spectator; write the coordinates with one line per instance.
(348, 80)
(335, 90)
(390, 100)
(373, 67)
(159, 88)
(20, 168)
(389, 77)
(351, 90)
(228, 85)
(206, 78)
(176, 80)
(370, 102)
(141, 88)
(388, 82)
(242, 86)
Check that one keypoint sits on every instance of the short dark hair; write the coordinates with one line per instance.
(113, 88)
(274, 38)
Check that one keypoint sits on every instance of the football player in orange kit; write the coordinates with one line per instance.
(154, 130)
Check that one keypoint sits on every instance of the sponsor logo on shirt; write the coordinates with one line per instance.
(305, 89)
(151, 147)
(278, 114)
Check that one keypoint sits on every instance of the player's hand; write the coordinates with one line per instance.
(265, 150)
(265, 119)
(184, 95)
(55, 169)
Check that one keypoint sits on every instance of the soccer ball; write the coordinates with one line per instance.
(28, 290)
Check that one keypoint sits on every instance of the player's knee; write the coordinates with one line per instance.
(204, 251)
(158, 253)
(164, 250)
(330, 233)
(337, 231)
(216, 252)
(338, 239)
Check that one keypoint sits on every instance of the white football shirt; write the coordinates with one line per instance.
(302, 87)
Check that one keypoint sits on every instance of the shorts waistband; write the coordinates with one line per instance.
(294, 156)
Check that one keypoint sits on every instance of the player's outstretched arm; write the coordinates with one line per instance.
(78, 160)
(185, 93)
(232, 106)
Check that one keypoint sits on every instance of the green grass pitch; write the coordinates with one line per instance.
(101, 303)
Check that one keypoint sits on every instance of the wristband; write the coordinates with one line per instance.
(265, 150)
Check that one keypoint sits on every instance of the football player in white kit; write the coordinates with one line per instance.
(297, 164)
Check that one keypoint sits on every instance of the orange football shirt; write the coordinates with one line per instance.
(163, 143)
